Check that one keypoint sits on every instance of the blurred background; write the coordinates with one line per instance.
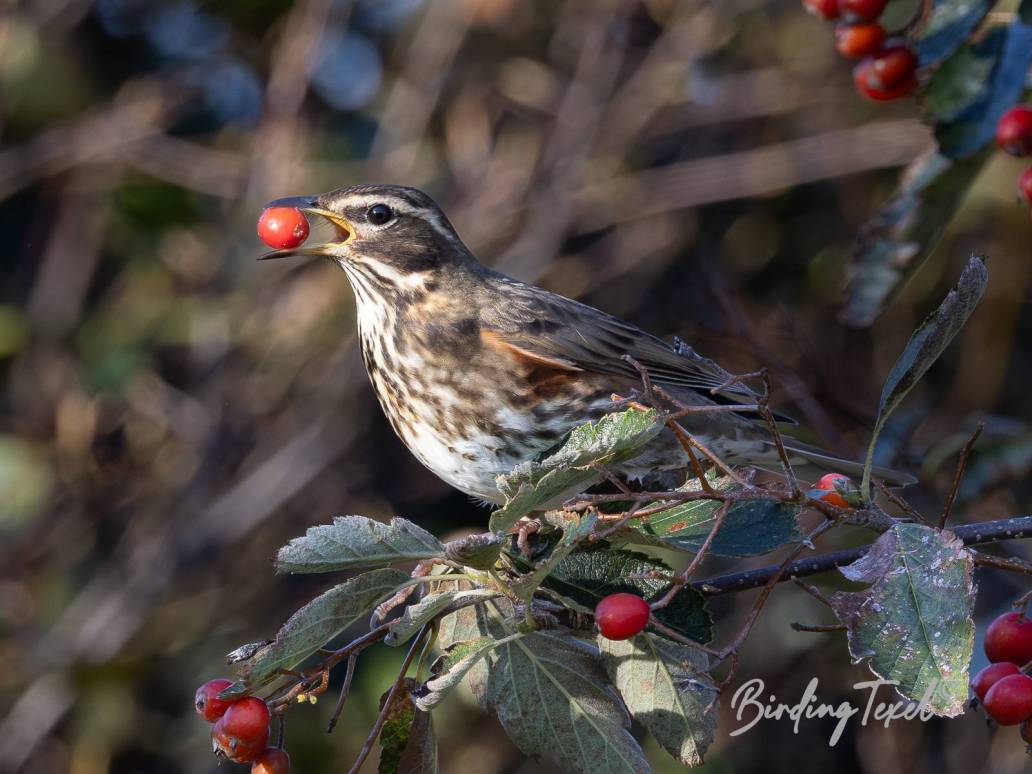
(172, 411)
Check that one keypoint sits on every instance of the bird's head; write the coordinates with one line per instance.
(388, 239)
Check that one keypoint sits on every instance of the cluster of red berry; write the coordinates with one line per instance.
(1014, 136)
(887, 69)
(1003, 688)
(241, 730)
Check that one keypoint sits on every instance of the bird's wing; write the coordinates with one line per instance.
(579, 337)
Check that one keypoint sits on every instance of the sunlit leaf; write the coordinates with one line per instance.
(356, 541)
(925, 346)
(318, 622)
(454, 665)
(666, 687)
(575, 529)
(431, 606)
(539, 484)
(913, 624)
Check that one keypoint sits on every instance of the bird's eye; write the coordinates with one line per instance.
(379, 214)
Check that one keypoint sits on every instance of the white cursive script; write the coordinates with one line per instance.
(749, 695)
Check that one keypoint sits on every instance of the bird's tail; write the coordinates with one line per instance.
(816, 462)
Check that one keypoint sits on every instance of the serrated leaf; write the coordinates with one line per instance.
(913, 624)
(454, 665)
(431, 606)
(947, 28)
(974, 127)
(539, 484)
(751, 527)
(407, 741)
(553, 698)
(320, 621)
(905, 231)
(356, 541)
(924, 348)
(585, 577)
(666, 687)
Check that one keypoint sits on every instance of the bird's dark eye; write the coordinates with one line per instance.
(379, 214)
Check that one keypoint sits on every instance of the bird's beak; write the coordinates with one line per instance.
(309, 205)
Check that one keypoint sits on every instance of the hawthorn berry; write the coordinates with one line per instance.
(827, 484)
(871, 86)
(829, 9)
(1025, 185)
(243, 732)
(991, 675)
(207, 702)
(866, 10)
(621, 616)
(1014, 131)
(1009, 638)
(282, 227)
(1009, 701)
(894, 64)
(859, 40)
(272, 761)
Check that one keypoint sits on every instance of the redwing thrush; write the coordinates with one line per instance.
(478, 372)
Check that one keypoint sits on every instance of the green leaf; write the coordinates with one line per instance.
(407, 741)
(575, 529)
(974, 127)
(892, 244)
(666, 687)
(962, 79)
(947, 28)
(751, 527)
(924, 348)
(585, 577)
(320, 621)
(553, 698)
(537, 485)
(431, 606)
(454, 665)
(913, 623)
(355, 541)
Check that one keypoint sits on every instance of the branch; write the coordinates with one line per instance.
(969, 534)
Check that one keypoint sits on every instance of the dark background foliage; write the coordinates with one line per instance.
(171, 411)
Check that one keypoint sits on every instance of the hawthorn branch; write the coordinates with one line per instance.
(969, 534)
(959, 474)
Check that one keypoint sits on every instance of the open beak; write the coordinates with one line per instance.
(309, 206)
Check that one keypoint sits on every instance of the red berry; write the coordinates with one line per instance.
(1009, 701)
(829, 9)
(871, 86)
(621, 616)
(867, 10)
(1009, 638)
(242, 733)
(992, 674)
(1014, 131)
(207, 702)
(827, 484)
(1025, 185)
(893, 65)
(859, 40)
(282, 227)
(272, 761)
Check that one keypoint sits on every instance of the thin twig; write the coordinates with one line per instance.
(775, 433)
(374, 733)
(899, 502)
(348, 676)
(1010, 564)
(813, 591)
(959, 474)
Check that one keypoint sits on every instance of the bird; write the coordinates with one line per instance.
(478, 372)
